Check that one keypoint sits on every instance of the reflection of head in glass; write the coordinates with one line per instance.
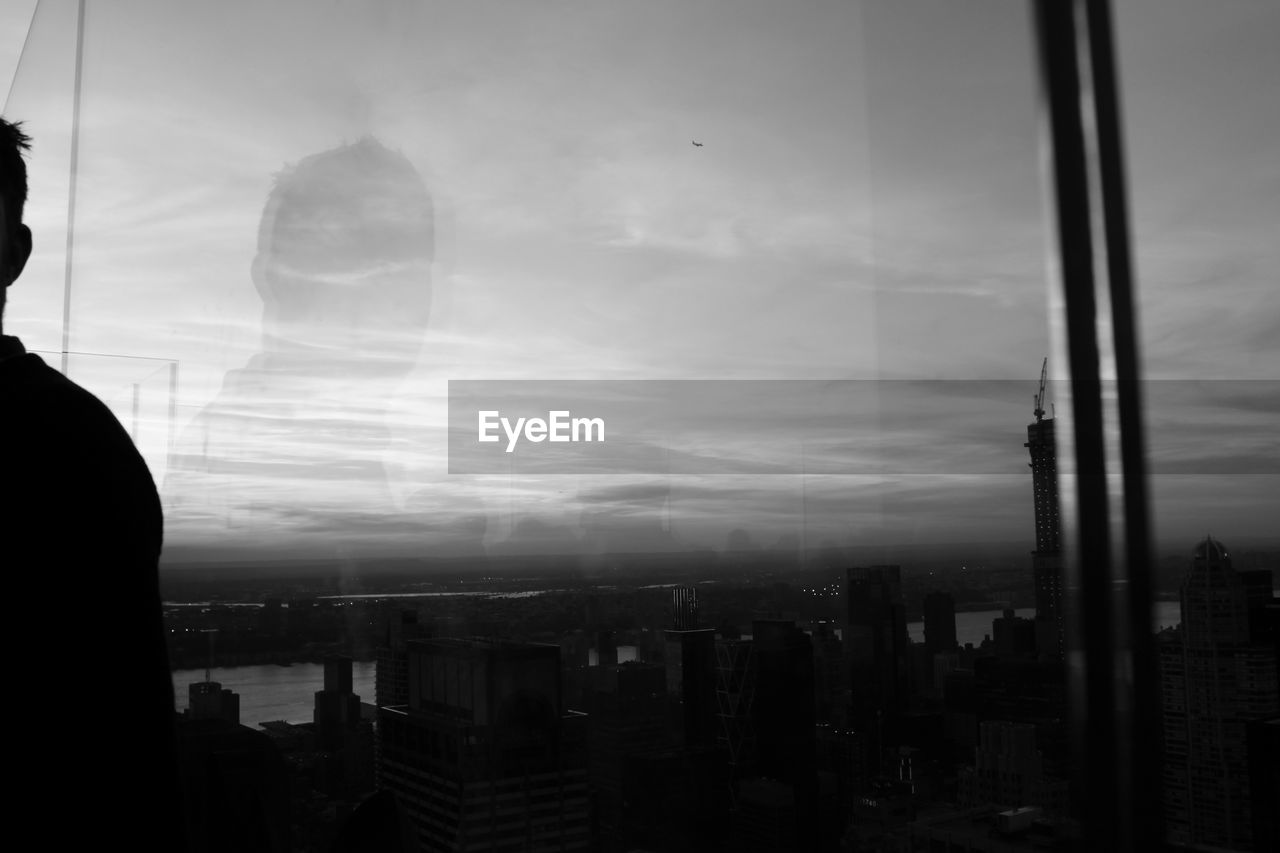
(344, 255)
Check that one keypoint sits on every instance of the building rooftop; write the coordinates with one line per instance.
(1210, 550)
(280, 727)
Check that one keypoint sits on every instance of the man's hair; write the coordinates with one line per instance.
(358, 205)
(13, 170)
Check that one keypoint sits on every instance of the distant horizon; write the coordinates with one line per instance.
(999, 549)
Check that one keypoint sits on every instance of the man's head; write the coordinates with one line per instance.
(344, 254)
(15, 238)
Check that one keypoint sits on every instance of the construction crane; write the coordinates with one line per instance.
(1044, 372)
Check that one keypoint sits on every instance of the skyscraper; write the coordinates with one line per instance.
(337, 709)
(344, 739)
(628, 708)
(1046, 559)
(735, 702)
(684, 606)
(235, 786)
(830, 675)
(691, 669)
(784, 703)
(1008, 770)
(784, 789)
(876, 645)
(691, 680)
(939, 623)
(482, 757)
(1218, 674)
(208, 700)
(1013, 636)
(391, 676)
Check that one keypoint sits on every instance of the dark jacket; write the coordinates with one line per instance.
(90, 706)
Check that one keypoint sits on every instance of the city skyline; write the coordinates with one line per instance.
(835, 568)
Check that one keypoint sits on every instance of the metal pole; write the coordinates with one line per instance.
(1143, 725)
(1114, 676)
(173, 404)
(71, 192)
(1096, 785)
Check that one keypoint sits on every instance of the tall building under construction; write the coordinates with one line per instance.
(1046, 559)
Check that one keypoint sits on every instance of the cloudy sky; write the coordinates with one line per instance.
(866, 204)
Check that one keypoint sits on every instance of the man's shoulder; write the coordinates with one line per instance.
(60, 446)
(50, 421)
(33, 393)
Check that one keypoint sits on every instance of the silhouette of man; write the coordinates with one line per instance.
(295, 440)
(90, 712)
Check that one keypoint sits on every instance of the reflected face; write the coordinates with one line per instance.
(378, 312)
(345, 251)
